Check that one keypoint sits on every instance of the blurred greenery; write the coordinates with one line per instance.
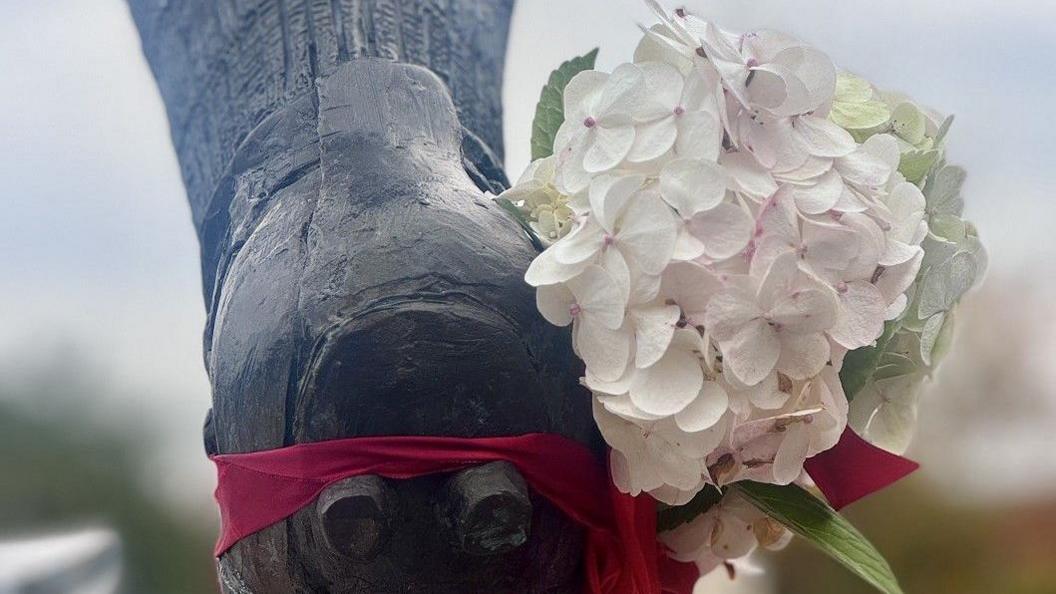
(936, 546)
(62, 470)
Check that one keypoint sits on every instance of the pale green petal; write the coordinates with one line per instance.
(943, 191)
(868, 115)
(945, 283)
(930, 335)
(915, 164)
(852, 89)
(909, 123)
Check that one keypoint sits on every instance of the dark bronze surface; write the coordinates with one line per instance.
(359, 283)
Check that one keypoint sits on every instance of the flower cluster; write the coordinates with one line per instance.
(729, 530)
(728, 217)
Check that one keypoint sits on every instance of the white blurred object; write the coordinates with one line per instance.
(751, 579)
(87, 562)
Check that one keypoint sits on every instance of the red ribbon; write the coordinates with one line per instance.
(855, 468)
(622, 554)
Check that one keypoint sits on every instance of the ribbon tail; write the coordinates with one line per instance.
(677, 577)
(855, 469)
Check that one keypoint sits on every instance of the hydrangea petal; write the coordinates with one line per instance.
(692, 186)
(728, 311)
(687, 246)
(652, 140)
(729, 63)
(821, 196)
(895, 280)
(668, 386)
(581, 243)
(823, 138)
(802, 355)
(804, 311)
(699, 135)
(609, 195)
(546, 270)
(897, 252)
(605, 352)
(706, 410)
(555, 303)
(657, 46)
(733, 538)
(599, 297)
(622, 406)
(814, 71)
(868, 166)
(665, 84)
(654, 329)
(752, 352)
(788, 463)
(829, 246)
(608, 148)
(648, 233)
(691, 286)
(861, 315)
(624, 92)
(767, 394)
(724, 230)
(581, 94)
(613, 262)
(748, 177)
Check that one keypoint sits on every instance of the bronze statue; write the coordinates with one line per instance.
(359, 283)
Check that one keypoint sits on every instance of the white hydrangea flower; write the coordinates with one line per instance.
(549, 212)
(594, 303)
(649, 455)
(720, 244)
(599, 129)
(776, 320)
(732, 529)
(771, 445)
(679, 115)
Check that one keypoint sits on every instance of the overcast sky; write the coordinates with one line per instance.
(99, 256)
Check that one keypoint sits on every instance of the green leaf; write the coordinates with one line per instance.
(860, 364)
(815, 521)
(671, 517)
(550, 111)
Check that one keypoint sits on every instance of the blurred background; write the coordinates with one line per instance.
(102, 389)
